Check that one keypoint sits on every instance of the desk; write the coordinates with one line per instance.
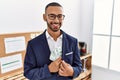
(86, 74)
(14, 76)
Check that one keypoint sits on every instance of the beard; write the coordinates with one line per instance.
(54, 26)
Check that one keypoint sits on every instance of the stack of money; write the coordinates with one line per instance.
(56, 53)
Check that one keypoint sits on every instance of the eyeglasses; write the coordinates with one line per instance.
(53, 16)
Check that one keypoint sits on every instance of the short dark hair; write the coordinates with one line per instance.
(52, 4)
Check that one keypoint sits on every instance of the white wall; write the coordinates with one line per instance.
(20, 16)
(86, 22)
(26, 15)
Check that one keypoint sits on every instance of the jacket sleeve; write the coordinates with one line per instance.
(77, 64)
(30, 70)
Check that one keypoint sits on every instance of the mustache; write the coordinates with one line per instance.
(55, 23)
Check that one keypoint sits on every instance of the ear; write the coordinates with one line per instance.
(44, 17)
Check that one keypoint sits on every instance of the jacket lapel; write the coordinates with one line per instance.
(64, 45)
(45, 44)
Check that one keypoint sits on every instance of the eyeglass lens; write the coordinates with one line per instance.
(53, 16)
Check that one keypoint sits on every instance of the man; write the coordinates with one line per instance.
(53, 55)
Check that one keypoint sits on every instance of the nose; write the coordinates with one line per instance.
(56, 19)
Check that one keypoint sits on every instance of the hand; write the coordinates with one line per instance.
(54, 66)
(65, 69)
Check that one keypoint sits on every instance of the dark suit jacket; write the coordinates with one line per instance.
(38, 53)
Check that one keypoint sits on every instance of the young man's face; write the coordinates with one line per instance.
(54, 17)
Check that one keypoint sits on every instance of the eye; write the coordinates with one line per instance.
(52, 15)
(60, 16)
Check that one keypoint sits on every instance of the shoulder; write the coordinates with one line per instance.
(69, 37)
(37, 39)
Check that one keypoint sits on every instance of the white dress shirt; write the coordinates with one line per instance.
(54, 46)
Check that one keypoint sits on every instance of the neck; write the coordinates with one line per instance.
(54, 35)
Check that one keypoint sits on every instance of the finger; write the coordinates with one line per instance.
(62, 68)
(64, 64)
(61, 72)
(59, 60)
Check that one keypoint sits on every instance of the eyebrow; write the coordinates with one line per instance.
(55, 14)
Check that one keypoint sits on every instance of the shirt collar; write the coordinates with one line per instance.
(48, 35)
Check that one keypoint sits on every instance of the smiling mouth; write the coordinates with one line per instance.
(55, 26)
